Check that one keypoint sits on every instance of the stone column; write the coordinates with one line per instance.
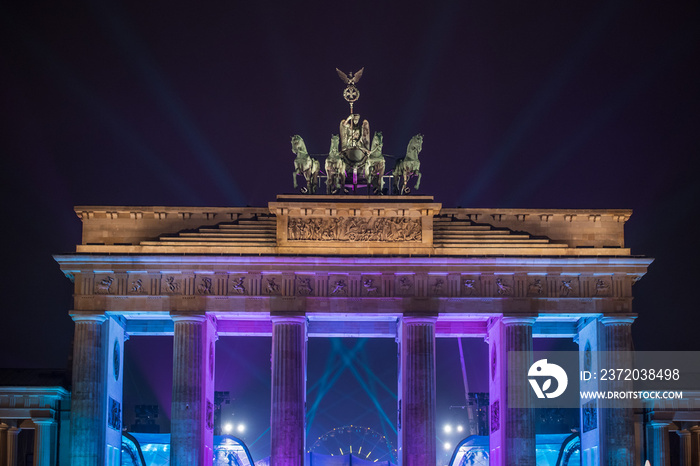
(88, 402)
(288, 408)
(3, 443)
(617, 422)
(590, 344)
(12, 434)
(417, 391)
(685, 450)
(512, 419)
(695, 445)
(192, 418)
(657, 443)
(44, 442)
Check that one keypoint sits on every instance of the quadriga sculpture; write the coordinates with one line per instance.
(304, 165)
(335, 168)
(375, 166)
(409, 166)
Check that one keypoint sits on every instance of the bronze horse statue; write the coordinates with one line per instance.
(409, 166)
(335, 168)
(304, 165)
(375, 165)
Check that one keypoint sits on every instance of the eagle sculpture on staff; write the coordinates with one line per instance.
(351, 94)
(350, 80)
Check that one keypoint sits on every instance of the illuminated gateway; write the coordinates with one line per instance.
(323, 265)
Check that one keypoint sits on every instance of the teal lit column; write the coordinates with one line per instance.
(617, 422)
(96, 398)
(88, 401)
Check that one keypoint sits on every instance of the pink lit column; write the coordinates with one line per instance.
(512, 419)
(287, 419)
(617, 421)
(192, 420)
(417, 391)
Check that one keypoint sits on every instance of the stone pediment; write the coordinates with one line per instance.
(353, 225)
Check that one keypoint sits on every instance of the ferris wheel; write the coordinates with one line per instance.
(361, 442)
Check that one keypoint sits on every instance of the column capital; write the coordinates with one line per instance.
(658, 423)
(409, 319)
(43, 421)
(95, 317)
(694, 429)
(683, 433)
(188, 317)
(518, 320)
(288, 319)
(13, 430)
(624, 319)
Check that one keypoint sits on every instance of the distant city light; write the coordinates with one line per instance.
(447, 428)
(241, 428)
(460, 428)
(228, 428)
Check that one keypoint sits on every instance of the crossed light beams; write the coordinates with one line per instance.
(135, 53)
(430, 54)
(335, 367)
(545, 96)
(623, 97)
(99, 108)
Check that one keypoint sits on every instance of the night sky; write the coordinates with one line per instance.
(522, 104)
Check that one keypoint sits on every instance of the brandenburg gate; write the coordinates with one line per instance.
(305, 266)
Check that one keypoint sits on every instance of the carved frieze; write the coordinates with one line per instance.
(304, 286)
(238, 284)
(371, 286)
(504, 286)
(437, 286)
(272, 285)
(602, 286)
(536, 287)
(205, 285)
(568, 287)
(495, 416)
(137, 285)
(471, 286)
(404, 285)
(386, 229)
(338, 286)
(105, 284)
(171, 284)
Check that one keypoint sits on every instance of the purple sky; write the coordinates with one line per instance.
(522, 104)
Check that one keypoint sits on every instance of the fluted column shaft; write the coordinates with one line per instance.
(192, 418)
(3, 444)
(519, 416)
(695, 445)
(44, 442)
(512, 420)
(88, 401)
(618, 423)
(12, 437)
(417, 429)
(288, 410)
(657, 443)
(685, 450)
